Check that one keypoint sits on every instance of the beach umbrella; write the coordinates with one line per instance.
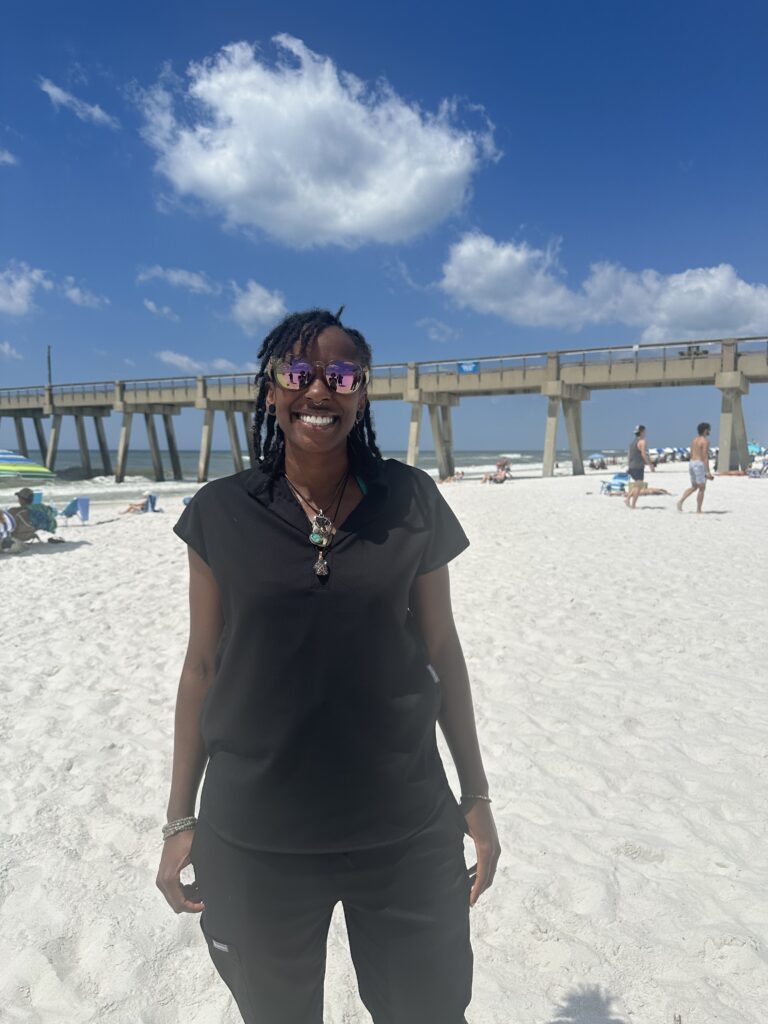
(17, 467)
(754, 448)
(596, 456)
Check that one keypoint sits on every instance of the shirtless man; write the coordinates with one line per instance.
(698, 467)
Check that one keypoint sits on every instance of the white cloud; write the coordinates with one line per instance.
(254, 306)
(308, 153)
(7, 351)
(17, 288)
(526, 286)
(85, 111)
(129, 362)
(437, 330)
(224, 366)
(81, 296)
(193, 281)
(7, 158)
(180, 361)
(164, 311)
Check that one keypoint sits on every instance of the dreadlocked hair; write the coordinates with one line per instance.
(268, 438)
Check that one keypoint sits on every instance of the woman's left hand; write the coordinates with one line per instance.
(482, 830)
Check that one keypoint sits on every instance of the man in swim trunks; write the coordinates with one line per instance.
(698, 467)
(637, 460)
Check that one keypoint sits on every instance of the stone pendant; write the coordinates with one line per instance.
(322, 529)
(321, 566)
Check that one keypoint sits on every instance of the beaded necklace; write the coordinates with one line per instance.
(321, 535)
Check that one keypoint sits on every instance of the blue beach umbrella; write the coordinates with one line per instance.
(17, 467)
(754, 448)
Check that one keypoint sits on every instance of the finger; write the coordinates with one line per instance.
(481, 880)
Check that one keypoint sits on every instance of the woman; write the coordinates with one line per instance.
(322, 650)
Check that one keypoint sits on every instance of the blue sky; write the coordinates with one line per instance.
(468, 179)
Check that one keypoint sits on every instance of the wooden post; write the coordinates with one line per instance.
(572, 413)
(21, 440)
(82, 440)
(41, 442)
(414, 433)
(170, 434)
(248, 427)
(205, 446)
(154, 447)
(445, 415)
(550, 436)
(106, 461)
(123, 446)
(234, 440)
(53, 444)
(437, 438)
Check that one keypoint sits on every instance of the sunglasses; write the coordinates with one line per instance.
(297, 374)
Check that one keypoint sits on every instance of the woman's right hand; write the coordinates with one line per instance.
(184, 899)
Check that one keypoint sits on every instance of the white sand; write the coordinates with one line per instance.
(618, 663)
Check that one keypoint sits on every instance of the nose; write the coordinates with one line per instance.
(318, 390)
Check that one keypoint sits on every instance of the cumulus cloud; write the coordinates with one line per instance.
(308, 153)
(255, 306)
(17, 288)
(180, 361)
(7, 351)
(437, 330)
(85, 111)
(224, 366)
(193, 281)
(81, 296)
(164, 311)
(7, 158)
(527, 286)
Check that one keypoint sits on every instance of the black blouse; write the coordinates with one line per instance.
(320, 722)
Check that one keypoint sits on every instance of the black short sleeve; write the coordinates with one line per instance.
(446, 537)
(190, 527)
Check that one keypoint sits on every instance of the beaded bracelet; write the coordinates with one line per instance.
(172, 828)
(476, 796)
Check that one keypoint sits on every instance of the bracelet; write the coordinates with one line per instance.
(476, 796)
(172, 828)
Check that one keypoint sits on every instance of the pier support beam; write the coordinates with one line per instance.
(41, 442)
(123, 446)
(173, 450)
(82, 440)
(234, 441)
(106, 461)
(439, 442)
(732, 442)
(414, 433)
(53, 444)
(447, 425)
(205, 446)
(21, 440)
(570, 396)
(154, 447)
(248, 427)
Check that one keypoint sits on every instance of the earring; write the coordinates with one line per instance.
(359, 416)
(271, 409)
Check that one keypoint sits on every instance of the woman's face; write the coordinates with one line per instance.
(316, 419)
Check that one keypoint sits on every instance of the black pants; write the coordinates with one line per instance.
(406, 907)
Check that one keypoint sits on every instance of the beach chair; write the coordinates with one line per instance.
(80, 507)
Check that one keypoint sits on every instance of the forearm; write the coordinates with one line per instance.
(189, 756)
(457, 717)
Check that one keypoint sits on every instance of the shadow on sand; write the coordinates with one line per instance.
(587, 1004)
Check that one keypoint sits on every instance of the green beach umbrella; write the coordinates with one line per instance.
(15, 466)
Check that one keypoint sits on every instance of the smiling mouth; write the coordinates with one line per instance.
(315, 419)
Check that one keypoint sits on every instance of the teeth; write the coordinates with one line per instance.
(319, 421)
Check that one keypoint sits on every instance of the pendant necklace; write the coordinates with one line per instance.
(321, 534)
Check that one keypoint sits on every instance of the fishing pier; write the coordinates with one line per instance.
(566, 379)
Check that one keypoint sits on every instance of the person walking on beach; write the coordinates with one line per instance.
(698, 467)
(322, 652)
(637, 460)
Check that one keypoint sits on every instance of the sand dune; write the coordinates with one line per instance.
(617, 661)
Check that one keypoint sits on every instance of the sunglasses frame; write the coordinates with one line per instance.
(314, 363)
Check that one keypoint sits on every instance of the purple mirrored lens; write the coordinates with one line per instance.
(343, 377)
(294, 376)
(339, 375)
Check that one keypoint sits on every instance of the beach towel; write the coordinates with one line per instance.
(41, 517)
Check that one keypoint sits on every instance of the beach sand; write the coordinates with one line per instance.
(618, 668)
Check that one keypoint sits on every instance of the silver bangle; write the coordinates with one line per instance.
(476, 796)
